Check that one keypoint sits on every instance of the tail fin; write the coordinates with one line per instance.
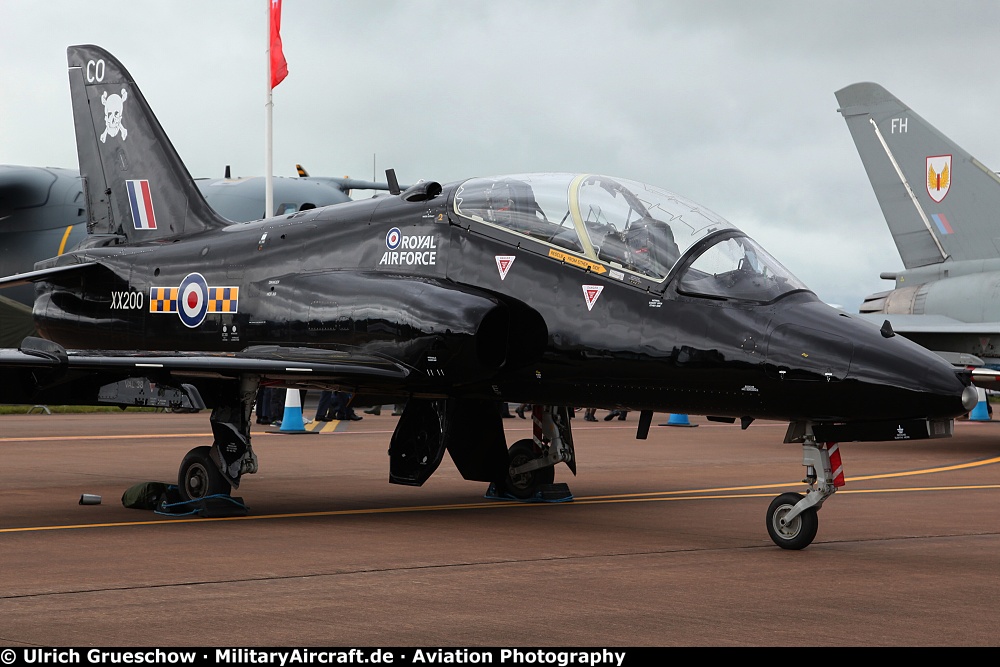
(134, 181)
(939, 202)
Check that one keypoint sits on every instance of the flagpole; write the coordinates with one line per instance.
(268, 105)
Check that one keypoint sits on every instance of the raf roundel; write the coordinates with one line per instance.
(193, 297)
(393, 238)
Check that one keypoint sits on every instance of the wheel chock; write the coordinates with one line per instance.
(547, 493)
(215, 507)
(212, 507)
(554, 493)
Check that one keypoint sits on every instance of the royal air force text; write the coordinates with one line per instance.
(411, 251)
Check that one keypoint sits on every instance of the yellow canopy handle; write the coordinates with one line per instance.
(574, 209)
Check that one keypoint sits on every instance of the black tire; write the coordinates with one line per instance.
(800, 532)
(526, 484)
(199, 477)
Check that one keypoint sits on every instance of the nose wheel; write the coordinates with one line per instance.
(791, 517)
(795, 533)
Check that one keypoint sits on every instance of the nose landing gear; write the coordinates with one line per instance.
(791, 517)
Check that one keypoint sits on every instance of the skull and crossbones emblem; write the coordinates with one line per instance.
(113, 105)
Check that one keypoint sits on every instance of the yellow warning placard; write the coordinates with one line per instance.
(577, 261)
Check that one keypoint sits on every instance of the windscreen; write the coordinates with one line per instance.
(737, 268)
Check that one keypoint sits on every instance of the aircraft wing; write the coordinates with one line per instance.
(42, 371)
(939, 331)
(931, 324)
(276, 363)
(15, 322)
(44, 274)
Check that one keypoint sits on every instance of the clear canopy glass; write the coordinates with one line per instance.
(625, 224)
(631, 225)
(737, 268)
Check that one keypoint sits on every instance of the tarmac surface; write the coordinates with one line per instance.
(664, 543)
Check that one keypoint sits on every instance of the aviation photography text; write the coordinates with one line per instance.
(157, 657)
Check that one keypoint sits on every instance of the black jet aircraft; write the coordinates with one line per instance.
(550, 289)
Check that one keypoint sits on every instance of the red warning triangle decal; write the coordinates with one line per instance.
(503, 264)
(590, 293)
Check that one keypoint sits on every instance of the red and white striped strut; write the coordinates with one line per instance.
(836, 467)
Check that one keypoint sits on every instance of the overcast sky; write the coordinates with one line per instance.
(729, 103)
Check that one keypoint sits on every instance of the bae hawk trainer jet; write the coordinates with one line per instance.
(549, 289)
(942, 207)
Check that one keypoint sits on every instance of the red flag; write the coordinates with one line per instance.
(279, 68)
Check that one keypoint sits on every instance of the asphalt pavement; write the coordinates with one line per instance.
(664, 543)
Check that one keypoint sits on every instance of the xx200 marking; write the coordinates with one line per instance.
(126, 300)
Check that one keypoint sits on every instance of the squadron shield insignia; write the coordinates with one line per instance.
(938, 176)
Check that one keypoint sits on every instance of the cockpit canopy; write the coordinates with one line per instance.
(627, 225)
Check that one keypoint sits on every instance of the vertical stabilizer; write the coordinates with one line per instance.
(939, 202)
(134, 181)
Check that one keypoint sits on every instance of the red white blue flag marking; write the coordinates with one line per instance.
(141, 203)
(942, 223)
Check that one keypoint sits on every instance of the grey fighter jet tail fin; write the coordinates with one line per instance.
(134, 182)
(939, 202)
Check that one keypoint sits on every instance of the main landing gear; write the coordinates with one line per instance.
(200, 477)
(791, 518)
(208, 471)
(532, 461)
(524, 457)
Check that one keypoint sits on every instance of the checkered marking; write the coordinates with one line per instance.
(193, 300)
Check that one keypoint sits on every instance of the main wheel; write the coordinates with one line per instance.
(525, 484)
(199, 477)
(800, 531)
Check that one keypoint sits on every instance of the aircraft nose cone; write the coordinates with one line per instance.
(933, 389)
(970, 397)
(873, 377)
